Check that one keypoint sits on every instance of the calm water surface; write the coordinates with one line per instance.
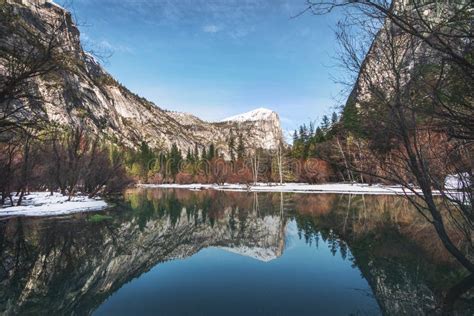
(178, 252)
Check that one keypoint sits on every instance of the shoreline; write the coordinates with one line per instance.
(43, 204)
(339, 188)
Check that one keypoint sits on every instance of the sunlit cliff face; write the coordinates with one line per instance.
(81, 92)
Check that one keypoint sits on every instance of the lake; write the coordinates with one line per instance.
(181, 252)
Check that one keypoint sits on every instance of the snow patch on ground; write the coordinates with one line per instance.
(457, 181)
(343, 188)
(45, 204)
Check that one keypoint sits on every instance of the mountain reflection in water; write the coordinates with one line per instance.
(267, 253)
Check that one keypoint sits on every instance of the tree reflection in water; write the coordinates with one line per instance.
(70, 265)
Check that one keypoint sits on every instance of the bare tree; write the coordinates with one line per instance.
(28, 159)
(105, 172)
(255, 160)
(9, 163)
(75, 161)
(279, 154)
(27, 53)
(412, 91)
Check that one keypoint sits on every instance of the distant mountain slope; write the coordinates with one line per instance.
(87, 94)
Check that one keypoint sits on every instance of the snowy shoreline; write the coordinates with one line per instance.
(38, 204)
(45, 204)
(341, 188)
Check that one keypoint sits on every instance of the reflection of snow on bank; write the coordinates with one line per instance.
(45, 204)
(342, 188)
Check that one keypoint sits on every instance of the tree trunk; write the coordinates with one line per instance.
(418, 168)
(346, 164)
(20, 199)
(255, 168)
(280, 163)
(24, 170)
(447, 242)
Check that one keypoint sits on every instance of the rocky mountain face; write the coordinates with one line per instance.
(395, 57)
(84, 93)
(376, 71)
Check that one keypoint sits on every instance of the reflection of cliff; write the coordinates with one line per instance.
(70, 266)
(396, 250)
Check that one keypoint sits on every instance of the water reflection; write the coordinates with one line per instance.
(72, 265)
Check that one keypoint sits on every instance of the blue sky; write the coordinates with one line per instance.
(217, 58)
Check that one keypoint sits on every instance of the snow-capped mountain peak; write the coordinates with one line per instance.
(254, 115)
(262, 125)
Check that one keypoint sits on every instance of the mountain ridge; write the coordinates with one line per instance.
(88, 95)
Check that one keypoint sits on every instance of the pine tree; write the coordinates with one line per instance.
(232, 146)
(144, 159)
(303, 133)
(196, 152)
(325, 123)
(189, 156)
(304, 142)
(240, 148)
(319, 135)
(145, 154)
(162, 162)
(298, 143)
(212, 152)
(311, 130)
(334, 118)
(175, 158)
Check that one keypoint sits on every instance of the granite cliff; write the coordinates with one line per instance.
(81, 92)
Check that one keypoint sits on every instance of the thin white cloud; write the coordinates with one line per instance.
(106, 44)
(241, 31)
(286, 120)
(210, 28)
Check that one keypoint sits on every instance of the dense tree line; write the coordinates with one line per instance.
(234, 163)
(330, 145)
(307, 137)
(158, 165)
